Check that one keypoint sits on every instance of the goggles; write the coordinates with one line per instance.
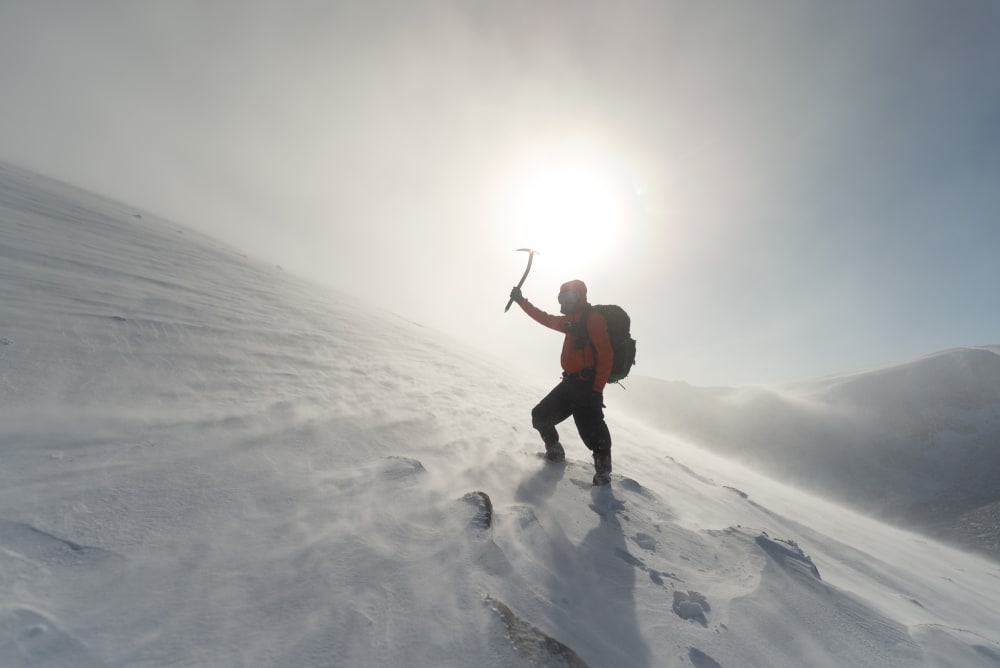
(569, 297)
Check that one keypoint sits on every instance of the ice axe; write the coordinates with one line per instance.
(531, 256)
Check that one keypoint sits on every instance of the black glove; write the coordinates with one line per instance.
(597, 400)
(516, 295)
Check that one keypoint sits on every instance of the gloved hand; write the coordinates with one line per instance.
(597, 400)
(516, 295)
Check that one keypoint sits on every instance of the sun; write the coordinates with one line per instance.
(570, 209)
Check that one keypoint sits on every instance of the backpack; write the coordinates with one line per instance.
(622, 342)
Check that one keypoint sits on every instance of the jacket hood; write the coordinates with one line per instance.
(575, 284)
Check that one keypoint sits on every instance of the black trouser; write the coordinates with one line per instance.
(573, 397)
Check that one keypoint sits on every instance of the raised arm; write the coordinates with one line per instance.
(556, 322)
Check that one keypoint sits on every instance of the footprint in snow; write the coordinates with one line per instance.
(702, 660)
(691, 606)
(645, 541)
(631, 560)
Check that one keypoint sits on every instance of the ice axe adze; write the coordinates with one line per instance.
(531, 255)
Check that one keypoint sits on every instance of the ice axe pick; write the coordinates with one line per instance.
(531, 256)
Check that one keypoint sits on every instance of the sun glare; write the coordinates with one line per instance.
(570, 210)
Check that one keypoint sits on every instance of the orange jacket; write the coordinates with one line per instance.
(577, 358)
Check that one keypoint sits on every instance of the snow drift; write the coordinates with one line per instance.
(207, 462)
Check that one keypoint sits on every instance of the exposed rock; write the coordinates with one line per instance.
(534, 644)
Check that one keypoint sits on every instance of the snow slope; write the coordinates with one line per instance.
(207, 462)
(917, 442)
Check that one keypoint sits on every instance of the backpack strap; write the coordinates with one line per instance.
(586, 322)
(579, 330)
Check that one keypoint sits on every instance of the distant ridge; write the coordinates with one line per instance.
(916, 443)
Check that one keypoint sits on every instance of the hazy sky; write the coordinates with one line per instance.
(774, 190)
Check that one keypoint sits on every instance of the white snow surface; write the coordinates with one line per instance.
(205, 461)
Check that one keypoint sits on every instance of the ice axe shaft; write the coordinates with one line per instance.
(531, 256)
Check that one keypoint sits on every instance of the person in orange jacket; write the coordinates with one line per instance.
(586, 360)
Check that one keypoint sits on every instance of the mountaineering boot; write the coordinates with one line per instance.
(602, 468)
(554, 452)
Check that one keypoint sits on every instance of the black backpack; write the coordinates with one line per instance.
(622, 342)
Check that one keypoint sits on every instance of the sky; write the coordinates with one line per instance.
(773, 190)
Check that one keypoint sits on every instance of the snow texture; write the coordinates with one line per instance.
(208, 462)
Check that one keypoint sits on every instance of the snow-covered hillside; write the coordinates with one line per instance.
(917, 442)
(207, 462)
